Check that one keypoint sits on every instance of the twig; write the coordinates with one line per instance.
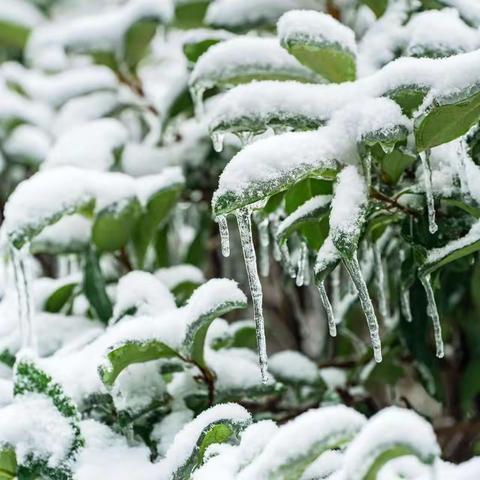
(384, 198)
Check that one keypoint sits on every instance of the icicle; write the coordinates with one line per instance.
(217, 140)
(353, 268)
(461, 168)
(302, 264)
(196, 93)
(264, 239)
(277, 254)
(367, 168)
(433, 314)
(307, 277)
(224, 234)
(245, 230)
(22, 275)
(427, 176)
(380, 282)
(405, 304)
(332, 326)
(245, 137)
(336, 286)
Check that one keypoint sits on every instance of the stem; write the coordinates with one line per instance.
(384, 198)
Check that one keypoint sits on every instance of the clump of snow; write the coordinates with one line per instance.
(244, 14)
(144, 293)
(171, 277)
(441, 32)
(315, 28)
(56, 89)
(348, 204)
(90, 145)
(246, 56)
(148, 185)
(292, 365)
(325, 465)
(164, 432)
(387, 429)
(28, 144)
(33, 426)
(20, 12)
(332, 424)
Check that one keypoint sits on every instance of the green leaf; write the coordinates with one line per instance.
(377, 6)
(94, 287)
(57, 299)
(386, 456)
(183, 291)
(190, 13)
(194, 343)
(8, 464)
(454, 250)
(219, 431)
(447, 118)
(408, 97)
(329, 59)
(114, 224)
(157, 210)
(196, 44)
(13, 35)
(137, 41)
(393, 165)
(310, 219)
(129, 353)
(257, 392)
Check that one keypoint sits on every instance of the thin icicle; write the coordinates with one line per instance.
(380, 282)
(264, 240)
(302, 264)
(287, 261)
(461, 168)
(336, 289)
(332, 326)
(245, 229)
(405, 304)
(22, 275)
(433, 314)
(197, 98)
(224, 234)
(245, 138)
(427, 178)
(274, 223)
(355, 272)
(217, 140)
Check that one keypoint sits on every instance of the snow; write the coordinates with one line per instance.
(33, 426)
(20, 12)
(244, 14)
(326, 464)
(245, 56)
(391, 427)
(90, 145)
(149, 185)
(348, 205)
(314, 203)
(171, 277)
(107, 455)
(440, 31)
(97, 32)
(143, 292)
(315, 28)
(84, 109)
(291, 365)
(27, 143)
(164, 432)
(58, 88)
(333, 424)
(236, 369)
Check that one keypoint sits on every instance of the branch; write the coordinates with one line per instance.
(390, 201)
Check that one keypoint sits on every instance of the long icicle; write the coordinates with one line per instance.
(353, 267)
(332, 326)
(405, 304)
(245, 229)
(433, 314)
(264, 240)
(24, 295)
(302, 265)
(224, 235)
(427, 178)
(380, 282)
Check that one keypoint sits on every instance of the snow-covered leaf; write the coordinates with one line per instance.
(320, 42)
